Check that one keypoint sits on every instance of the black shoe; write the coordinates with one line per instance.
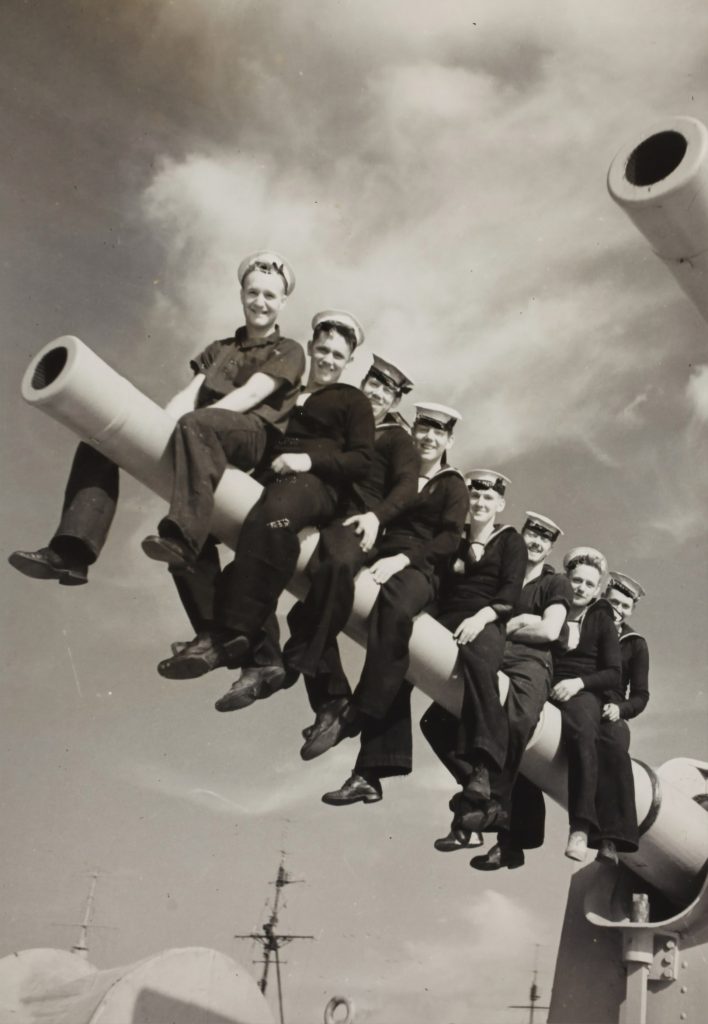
(168, 549)
(46, 564)
(330, 732)
(477, 786)
(354, 789)
(221, 650)
(475, 817)
(458, 839)
(255, 683)
(325, 715)
(499, 857)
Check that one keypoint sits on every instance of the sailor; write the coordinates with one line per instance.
(412, 550)
(327, 448)
(344, 547)
(242, 391)
(622, 592)
(536, 624)
(583, 676)
(478, 596)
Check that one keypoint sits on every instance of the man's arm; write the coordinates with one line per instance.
(257, 388)
(534, 629)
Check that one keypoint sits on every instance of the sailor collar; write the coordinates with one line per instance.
(441, 472)
(630, 633)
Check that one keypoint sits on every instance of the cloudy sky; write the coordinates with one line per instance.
(440, 170)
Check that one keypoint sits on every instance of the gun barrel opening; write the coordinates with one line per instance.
(656, 158)
(49, 367)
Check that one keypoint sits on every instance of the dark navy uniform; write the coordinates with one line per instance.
(389, 487)
(335, 427)
(428, 532)
(493, 580)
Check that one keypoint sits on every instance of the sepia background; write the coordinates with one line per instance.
(440, 170)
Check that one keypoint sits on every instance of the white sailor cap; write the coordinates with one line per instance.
(389, 375)
(340, 318)
(625, 584)
(431, 414)
(487, 480)
(583, 555)
(270, 263)
(542, 525)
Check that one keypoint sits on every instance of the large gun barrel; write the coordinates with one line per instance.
(660, 180)
(74, 386)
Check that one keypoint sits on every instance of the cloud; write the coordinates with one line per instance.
(697, 392)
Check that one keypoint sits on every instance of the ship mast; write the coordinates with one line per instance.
(271, 940)
(534, 994)
(81, 947)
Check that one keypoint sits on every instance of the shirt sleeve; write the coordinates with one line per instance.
(608, 671)
(206, 358)
(287, 362)
(559, 592)
(436, 551)
(511, 574)
(405, 463)
(353, 461)
(638, 697)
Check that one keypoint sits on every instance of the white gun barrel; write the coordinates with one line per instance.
(74, 386)
(660, 180)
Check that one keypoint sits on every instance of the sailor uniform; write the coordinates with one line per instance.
(389, 486)
(634, 694)
(335, 427)
(530, 669)
(492, 580)
(92, 489)
(428, 532)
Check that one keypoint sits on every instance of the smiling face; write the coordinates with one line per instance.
(485, 505)
(622, 604)
(262, 297)
(383, 397)
(585, 584)
(432, 442)
(537, 546)
(329, 353)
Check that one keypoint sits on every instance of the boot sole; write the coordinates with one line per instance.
(42, 571)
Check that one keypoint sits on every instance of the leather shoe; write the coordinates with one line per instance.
(168, 549)
(477, 787)
(499, 857)
(354, 789)
(458, 839)
(474, 817)
(329, 711)
(255, 683)
(607, 852)
(204, 654)
(577, 846)
(331, 731)
(46, 564)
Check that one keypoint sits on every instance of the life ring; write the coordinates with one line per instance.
(333, 1005)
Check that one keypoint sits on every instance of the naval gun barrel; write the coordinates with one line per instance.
(660, 180)
(78, 389)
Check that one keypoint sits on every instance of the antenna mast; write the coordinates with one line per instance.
(534, 994)
(272, 941)
(81, 947)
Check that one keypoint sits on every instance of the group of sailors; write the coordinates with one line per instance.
(385, 497)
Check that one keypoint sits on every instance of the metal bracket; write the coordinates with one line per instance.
(665, 964)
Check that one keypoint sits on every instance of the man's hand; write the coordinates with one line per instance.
(611, 712)
(291, 462)
(518, 621)
(366, 527)
(385, 568)
(469, 629)
(566, 689)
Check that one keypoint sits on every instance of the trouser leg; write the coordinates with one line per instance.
(267, 551)
(529, 672)
(203, 444)
(325, 611)
(616, 807)
(89, 504)
(386, 745)
(389, 630)
(440, 730)
(196, 588)
(580, 729)
(483, 730)
(527, 820)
